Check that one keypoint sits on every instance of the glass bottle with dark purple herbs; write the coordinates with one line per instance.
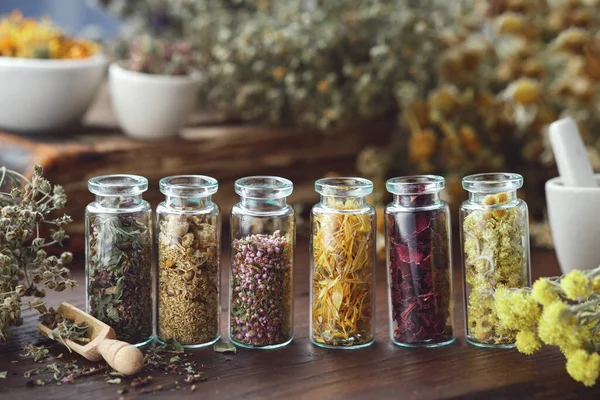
(263, 239)
(419, 263)
(118, 235)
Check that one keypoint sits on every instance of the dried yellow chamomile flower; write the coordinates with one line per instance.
(444, 100)
(511, 23)
(572, 41)
(524, 91)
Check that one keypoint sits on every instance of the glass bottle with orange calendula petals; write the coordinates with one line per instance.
(342, 249)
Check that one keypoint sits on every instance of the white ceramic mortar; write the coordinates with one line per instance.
(574, 215)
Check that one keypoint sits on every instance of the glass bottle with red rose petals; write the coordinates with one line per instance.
(419, 263)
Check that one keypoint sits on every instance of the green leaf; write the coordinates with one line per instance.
(114, 381)
(3, 374)
(174, 345)
(224, 347)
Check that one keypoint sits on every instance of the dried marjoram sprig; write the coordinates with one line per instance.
(342, 281)
(494, 257)
(188, 278)
(25, 267)
(261, 295)
(119, 273)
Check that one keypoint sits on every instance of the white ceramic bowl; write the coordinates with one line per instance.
(151, 106)
(38, 96)
(575, 224)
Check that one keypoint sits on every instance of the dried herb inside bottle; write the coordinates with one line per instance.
(494, 255)
(342, 281)
(420, 283)
(188, 279)
(261, 295)
(119, 274)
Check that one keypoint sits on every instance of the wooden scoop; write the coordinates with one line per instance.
(121, 356)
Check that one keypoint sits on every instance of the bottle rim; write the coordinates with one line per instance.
(118, 185)
(263, 187)
(188, 186)
(344, 187)
(493, 182)
(415, 184)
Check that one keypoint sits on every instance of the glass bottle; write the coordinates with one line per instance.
(189, 232)
(263, 240)
(419, 262)
(118, 236)
(342, 249)
(495, 244)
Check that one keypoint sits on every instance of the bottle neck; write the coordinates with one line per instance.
(263, 205)
(491, 199)
(343, 202)
(121, 202)
(420, 200)
(185, 203)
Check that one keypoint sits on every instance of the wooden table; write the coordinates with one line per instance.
(302, 370)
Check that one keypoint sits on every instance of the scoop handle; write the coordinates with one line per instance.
(121, 356)
(571, 157)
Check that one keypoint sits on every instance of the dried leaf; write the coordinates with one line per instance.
(174, 345)
(224, 347)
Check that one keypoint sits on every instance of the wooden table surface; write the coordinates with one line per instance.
(302, 370)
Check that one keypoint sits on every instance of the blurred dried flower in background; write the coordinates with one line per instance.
(156, 56)
(475, 82)
(314, 64)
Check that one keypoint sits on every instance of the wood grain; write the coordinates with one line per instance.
(304, 371)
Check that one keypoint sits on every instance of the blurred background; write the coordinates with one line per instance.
(78, 17)
(302, 89)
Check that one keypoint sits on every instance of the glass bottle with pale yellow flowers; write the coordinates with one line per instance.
(495, 244)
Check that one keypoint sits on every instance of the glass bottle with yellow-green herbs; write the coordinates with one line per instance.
(342, 249)
(495, 243)
(189, 231)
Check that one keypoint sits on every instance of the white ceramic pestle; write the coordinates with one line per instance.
(572, 160)
(573, 200)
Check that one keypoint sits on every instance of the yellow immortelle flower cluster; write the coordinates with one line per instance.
(28, 38)
(494, 258)
(563, 312)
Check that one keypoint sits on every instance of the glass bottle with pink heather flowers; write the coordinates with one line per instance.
(263, 239)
